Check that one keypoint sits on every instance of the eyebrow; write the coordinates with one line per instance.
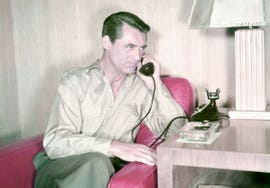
(144, 46)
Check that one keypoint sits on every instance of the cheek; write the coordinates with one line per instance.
(116, 57)
(119, 55)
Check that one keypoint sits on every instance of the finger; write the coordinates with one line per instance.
(147, 58)
(147, 156)
(147, 159)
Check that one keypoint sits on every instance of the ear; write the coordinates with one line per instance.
(106, 42)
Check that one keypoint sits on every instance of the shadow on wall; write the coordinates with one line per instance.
(9, 138)
(185, 10)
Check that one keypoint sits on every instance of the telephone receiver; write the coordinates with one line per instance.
(147, 69)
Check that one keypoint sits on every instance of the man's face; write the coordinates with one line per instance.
(126, 52)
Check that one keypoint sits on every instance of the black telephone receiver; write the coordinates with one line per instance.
(147, 69)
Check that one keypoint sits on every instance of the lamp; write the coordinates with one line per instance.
(247, 16)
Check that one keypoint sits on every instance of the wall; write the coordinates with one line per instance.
(41, 39)
(9, 124)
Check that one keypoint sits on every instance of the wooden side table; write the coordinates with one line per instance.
(244, 145)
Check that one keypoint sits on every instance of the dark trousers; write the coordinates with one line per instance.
(84, 171)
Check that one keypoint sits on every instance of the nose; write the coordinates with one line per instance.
(138, 54)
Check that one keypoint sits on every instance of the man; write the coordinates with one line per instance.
(96, 108)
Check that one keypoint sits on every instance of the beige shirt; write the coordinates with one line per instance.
(86, 118)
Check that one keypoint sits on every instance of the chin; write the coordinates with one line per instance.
(130, 71)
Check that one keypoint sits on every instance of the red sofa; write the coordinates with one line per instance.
(17, 170)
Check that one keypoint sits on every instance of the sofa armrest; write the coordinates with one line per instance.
(135, 175)
(17, 169)
(146, 137)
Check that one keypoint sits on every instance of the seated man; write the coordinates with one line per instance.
(97, 107)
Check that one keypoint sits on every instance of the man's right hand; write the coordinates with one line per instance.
(133, 152)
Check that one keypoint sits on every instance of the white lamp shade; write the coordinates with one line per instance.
(229, 13)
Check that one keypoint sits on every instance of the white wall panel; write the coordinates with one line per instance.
(9, 124)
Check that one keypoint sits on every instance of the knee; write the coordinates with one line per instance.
(99, 162)
(96, 157)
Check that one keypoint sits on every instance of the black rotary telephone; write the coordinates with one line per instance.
(210, 112)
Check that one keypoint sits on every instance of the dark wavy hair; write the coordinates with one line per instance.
(112, 25)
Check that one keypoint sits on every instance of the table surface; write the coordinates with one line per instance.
(243, 145)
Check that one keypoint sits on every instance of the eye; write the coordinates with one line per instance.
(130, 46)
(143, 47)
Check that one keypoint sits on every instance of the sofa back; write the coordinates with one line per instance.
(182, 91)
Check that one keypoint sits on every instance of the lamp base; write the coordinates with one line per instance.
(259, 115)
(250, 69)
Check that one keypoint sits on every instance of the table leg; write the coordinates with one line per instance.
(165, 168)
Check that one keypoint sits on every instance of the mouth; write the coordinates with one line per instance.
(132, 65)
